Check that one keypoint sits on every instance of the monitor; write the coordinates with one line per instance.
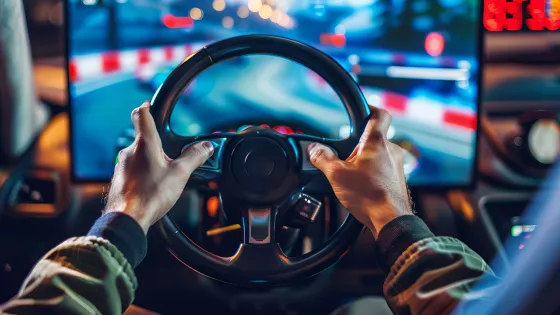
(419, 59)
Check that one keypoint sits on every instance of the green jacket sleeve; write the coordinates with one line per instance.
(83, 275)
(427, 274)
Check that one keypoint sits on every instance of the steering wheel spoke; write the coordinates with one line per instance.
(211, 170)
(260, 261)
(258, 226)
(259, 253)
(309, 176)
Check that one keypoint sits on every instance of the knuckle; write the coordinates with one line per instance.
(124, 153)
(376, 136)
(388, 117)
(383, 113)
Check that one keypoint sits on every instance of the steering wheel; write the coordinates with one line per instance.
(258, 169)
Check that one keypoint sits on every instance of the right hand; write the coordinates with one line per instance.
(371, 183)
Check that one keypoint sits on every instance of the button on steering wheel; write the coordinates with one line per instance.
(258, 169)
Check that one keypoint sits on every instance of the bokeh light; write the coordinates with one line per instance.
(227, 22)
(196, 14)
(265, 12)
(219, 5)
(254, 5)
(243, 12)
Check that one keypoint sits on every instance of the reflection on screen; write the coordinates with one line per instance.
(418, 59)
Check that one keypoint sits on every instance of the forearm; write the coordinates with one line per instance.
(426, 274)
(85, 275)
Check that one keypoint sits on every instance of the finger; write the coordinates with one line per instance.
(376, 128)
(321, 156)
(193, 157)
(144, 125)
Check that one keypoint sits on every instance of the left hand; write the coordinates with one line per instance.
(146, 182)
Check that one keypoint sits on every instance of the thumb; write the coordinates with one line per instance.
(321, 156)
(193, 157)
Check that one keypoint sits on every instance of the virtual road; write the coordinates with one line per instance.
(258, 89)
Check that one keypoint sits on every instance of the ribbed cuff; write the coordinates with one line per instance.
(396, 236)
(124, 233)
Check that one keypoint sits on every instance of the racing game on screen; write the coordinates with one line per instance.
(419, 59)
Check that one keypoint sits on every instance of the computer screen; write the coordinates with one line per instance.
(419, 59)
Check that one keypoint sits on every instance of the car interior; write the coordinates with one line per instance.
(474, 109)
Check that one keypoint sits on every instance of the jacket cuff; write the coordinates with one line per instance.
(396, 236)
(124, 233)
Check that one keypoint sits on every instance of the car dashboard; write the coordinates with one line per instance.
(35, 225)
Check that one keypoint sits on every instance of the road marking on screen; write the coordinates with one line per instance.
(129, 60)
(427, 73)
(88, 66)
(81, 88)
(157, 55)
(425, 111)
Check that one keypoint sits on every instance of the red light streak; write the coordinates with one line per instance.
(172, 21)
(336, 40)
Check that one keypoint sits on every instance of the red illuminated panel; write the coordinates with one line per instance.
(172, 21)
(213, 205)
(495, 15)
(515, 10)
(540, 20)
(111, 62)
(502, 15)
(336, 40)
(285, 130)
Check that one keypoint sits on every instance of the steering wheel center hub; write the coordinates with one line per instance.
(259, 164)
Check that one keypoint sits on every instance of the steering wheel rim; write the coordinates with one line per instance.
(259, 263)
